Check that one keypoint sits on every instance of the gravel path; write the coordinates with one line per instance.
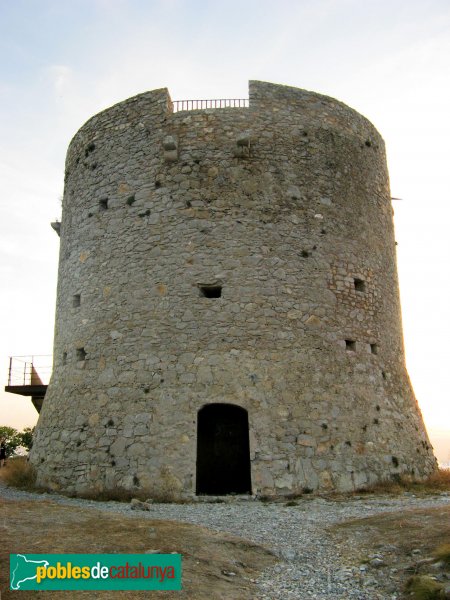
(310, 567)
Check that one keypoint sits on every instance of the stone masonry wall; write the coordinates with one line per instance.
(286, 205)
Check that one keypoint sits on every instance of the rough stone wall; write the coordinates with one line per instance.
(286, 205)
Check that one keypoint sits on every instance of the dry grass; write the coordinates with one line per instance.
(122, 495)
(423, 587)
(424, 529)
(20, 474)
(443, 554)
(439, 481)
(409, 542)
(41, 526)
(117, 494)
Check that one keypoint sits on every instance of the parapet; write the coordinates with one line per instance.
(285, 104)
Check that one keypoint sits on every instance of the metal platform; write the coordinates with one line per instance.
(29, 376)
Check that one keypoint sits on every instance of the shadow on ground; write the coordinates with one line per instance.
(215, 565)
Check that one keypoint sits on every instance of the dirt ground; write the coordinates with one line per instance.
(215, 565)
(405, 542)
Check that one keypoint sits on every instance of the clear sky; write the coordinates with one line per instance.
(61, 61)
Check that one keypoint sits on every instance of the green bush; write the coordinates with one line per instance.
(14, 439)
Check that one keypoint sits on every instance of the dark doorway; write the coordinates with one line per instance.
(223, 451)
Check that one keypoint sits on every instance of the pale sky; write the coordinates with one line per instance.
(61, 61)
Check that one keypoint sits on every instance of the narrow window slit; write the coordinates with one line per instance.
(81, 354)
(374, 348)
(103, 203)
(211, 291)
(360, 284)
(76, 300)
(350, 345)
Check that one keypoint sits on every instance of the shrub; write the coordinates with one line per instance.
(443, 554)
(20, 474)
(439, 479)
(422, 587)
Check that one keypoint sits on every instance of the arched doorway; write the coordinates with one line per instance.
(223, 450)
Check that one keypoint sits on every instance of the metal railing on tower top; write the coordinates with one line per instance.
(179, 105)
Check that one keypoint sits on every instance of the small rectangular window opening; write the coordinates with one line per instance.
(64, 358)
(360, 284)
(350, 345)
(374, 348)
(211, 291)
(76, 301)
(103, 203)
(81, 354)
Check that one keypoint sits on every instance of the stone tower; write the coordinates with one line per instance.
(228, 316)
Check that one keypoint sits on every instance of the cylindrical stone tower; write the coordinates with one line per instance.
(228, 315)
